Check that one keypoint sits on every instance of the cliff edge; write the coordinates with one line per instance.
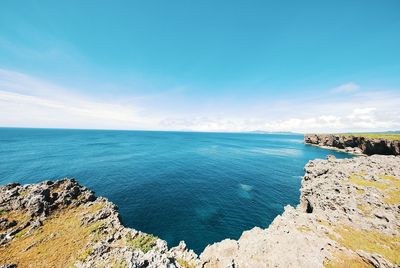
(348, 216)
(63, 224)
(367, 144)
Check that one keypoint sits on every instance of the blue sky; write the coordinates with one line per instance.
(205, 65)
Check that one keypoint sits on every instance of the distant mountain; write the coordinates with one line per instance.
(273, 132)
(393, 132)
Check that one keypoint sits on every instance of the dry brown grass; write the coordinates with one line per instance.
(365, 209)
(389, 185)
(184, 264)
(341, 260)
(58, 243)
(385, 136)
(14, 215)
(304, 229)
(370, 241)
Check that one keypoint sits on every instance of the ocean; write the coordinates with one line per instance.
(197, 187)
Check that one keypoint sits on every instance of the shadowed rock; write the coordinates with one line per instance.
(355, 144)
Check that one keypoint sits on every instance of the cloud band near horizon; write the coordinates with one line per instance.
(28, 101)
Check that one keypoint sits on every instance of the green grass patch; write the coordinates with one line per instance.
(3, 212)
(144, 242)
(184, 264)
(83, 256)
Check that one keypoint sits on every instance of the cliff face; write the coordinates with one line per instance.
(348, 216)
(63, 224)
(355, 144)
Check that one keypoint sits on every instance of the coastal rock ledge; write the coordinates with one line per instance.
(348, 216)
(355, 144)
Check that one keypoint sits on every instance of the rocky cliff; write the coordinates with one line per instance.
(355, 144)
(348, 216)
(63, 224)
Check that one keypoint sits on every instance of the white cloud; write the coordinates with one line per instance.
(346, 88)
(26, 101)
(29, 102)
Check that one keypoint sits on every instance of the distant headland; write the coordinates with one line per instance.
(368, 144)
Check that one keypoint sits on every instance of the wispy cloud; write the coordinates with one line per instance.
(27, 101)
(346, 88)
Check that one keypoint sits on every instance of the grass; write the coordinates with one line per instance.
(184, 264)
(143, 242)
(3, 212)
(365, 209)
(373, 135)
(58, 243)
(120, 264)
(370, 241)
(14, 215)
(360, 191)
(360, 181)
(304, 229)
(324, 223)
(21, 233)
(23, 193)
(86, 253)
(393, 195)
(390, 186)
(342, 260)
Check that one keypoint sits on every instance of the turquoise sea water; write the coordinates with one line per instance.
(197, 187)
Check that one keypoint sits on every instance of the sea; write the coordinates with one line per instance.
(197, 187)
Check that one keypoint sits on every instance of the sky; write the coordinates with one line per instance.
(301, 66)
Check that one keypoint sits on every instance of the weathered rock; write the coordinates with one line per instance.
(89, 228)
(355, 144)
(348, 213)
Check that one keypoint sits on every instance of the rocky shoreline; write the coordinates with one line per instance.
(358, 145)
(349, 214)
(63, 224)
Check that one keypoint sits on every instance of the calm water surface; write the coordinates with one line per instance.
(197, 187)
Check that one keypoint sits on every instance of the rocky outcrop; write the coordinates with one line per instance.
(355, 144)
(62, 224)
(348, 216)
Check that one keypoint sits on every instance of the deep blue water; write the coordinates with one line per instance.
(197, 187)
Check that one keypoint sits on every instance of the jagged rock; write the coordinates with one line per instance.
(108, 243)
(354, 144)
(345, 211)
